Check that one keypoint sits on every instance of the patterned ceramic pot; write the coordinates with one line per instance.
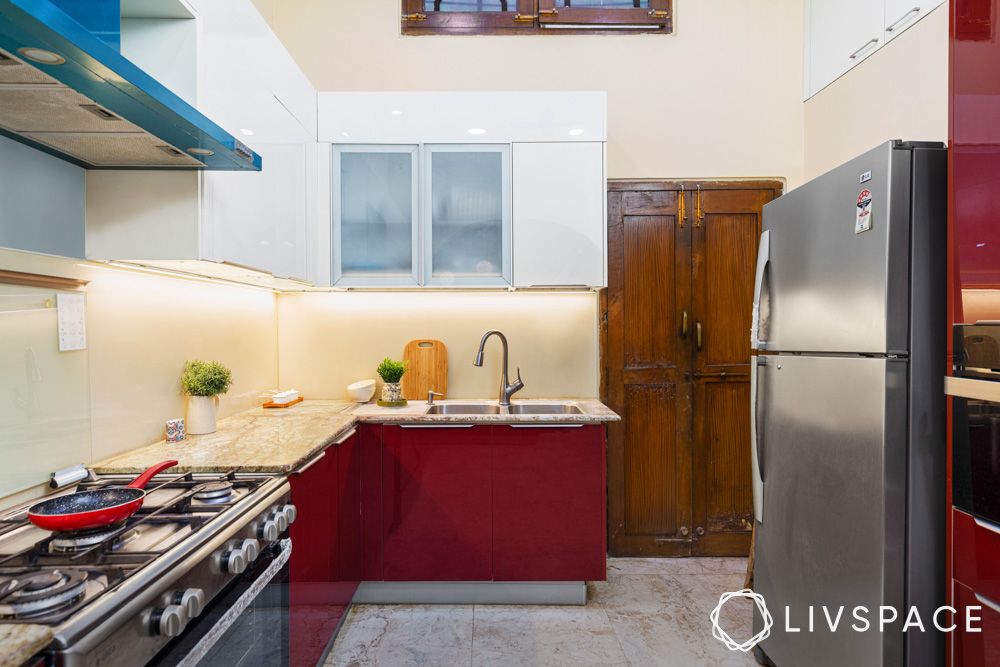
(392, 392)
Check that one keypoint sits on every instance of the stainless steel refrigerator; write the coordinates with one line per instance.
(848, 411)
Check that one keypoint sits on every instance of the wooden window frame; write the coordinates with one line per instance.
(537, 17)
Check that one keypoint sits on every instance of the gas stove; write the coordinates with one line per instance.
(120, 594)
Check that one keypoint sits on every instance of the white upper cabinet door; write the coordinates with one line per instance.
(901, 14)
(467, 216)
(840, 34)
(559, 215)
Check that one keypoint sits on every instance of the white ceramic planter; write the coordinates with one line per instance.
(201, 412)
(392, 392)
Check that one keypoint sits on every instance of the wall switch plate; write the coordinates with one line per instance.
(71, 312)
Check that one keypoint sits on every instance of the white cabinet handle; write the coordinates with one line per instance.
(986, 602)
(342, 439)
(545, 425)
(871, 42)
(436, 425)
(904, 19)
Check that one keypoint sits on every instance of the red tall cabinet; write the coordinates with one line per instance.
(974, 309)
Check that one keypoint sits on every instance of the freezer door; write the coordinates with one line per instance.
(832, 443)
(838, 271)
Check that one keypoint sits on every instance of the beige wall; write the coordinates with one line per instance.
(329, 340)
(720, 98)
(901, 92)
(141, 328)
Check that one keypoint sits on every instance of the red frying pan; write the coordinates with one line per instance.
(96, 508)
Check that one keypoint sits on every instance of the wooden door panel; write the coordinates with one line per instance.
(722, 458)
(651, 460)
(649, 291)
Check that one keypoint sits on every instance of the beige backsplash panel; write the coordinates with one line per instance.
(44, 393)
(328, 340)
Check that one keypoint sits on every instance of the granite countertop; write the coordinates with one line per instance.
(20, 641)
(280, 440)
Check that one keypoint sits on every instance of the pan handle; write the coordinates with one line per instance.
(142, 480)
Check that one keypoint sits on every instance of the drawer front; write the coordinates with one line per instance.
(976, 549)
(976, 649)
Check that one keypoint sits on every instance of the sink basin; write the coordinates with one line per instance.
(544, 409)
(464, 409)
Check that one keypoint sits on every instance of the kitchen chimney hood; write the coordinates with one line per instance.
(66, 91)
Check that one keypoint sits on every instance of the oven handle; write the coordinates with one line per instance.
(985, 525)
(201, 649)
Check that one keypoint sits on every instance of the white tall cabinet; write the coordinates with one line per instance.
(843, 33)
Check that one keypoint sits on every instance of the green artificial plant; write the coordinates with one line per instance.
(206, 378)
(390, 370)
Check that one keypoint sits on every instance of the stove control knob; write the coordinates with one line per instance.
(269, 530)
(193, 601)
(234, 561)
(168, 622)
(250, 549)
(290, 513)
(280, 518)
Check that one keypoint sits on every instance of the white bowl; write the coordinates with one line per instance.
(362, 390)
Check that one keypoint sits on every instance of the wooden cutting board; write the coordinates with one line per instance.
(427, 368)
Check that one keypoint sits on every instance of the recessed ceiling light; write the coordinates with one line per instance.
(476, 130)
(41, 55)
(246, 132)
(576, 132)
(345, 134)
(397, 112)
(200, 151)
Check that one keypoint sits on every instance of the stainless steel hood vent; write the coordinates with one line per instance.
(65, 91)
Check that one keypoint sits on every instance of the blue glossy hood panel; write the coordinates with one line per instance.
(156, 121)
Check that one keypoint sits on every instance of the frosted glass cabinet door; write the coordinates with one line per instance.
(467, 215)
(375, 240)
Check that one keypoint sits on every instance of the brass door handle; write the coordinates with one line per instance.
(548, 12)
(684, 324)
(681, 208)
(525, 18)
(697, 334)
(699, 213)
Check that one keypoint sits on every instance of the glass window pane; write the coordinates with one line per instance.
(467, 213)
(376, 213)
(470, 5)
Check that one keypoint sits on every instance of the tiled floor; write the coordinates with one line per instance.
(650, 611)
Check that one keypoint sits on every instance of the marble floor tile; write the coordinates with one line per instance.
(402, 635)
(509, 636)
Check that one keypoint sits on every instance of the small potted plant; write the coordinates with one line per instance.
(203, 381)
(391, 372)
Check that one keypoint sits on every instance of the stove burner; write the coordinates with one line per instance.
(214, 492)
(32, 594)
(77, 541)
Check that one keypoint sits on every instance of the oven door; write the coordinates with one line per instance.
(976, 446)
(246, 625)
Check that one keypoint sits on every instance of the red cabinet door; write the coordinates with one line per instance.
(549, 503)
(436, 514)
(976, 553)
(314, 600)
(976, 649)
(349, 509)
(370, 465)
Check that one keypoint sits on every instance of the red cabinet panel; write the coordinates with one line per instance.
(370, 464)
(976, 649)
(349, 510)
(315, 609)
(549, 503)
(976, 554)
(436, 514)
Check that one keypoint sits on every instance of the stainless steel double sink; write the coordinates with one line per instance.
(494, 409)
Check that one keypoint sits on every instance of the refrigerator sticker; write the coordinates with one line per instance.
(863, 221)
(865, 177)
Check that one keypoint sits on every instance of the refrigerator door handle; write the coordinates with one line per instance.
(756, 458)
(763, 259)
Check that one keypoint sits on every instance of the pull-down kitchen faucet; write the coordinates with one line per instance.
(506, 390)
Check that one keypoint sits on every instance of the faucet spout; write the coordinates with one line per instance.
(506, 390)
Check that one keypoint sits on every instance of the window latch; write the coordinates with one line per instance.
(525, 18)
(415, 17)
(658, 14)
(548, 12)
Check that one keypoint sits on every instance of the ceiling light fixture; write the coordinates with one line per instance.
(476, 130)
(246, 132)
(200, 151)
(397, 112)
(41, 55)
(345, 134)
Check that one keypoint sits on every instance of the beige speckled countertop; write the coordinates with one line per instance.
(20, 641)
(280, 440)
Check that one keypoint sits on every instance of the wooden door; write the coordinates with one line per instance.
(727, 224)
(679, 461)
(647, 357)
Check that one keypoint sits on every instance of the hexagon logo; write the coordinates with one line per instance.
(724, 637)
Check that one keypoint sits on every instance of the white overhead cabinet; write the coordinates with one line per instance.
(843, 33)
(223, 223)
(559, 214)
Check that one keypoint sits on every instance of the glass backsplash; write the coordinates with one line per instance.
(44, 393)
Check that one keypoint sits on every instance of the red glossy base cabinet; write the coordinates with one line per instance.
(548, 503)
(436, 503)
(326, 559)
(975, 649)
